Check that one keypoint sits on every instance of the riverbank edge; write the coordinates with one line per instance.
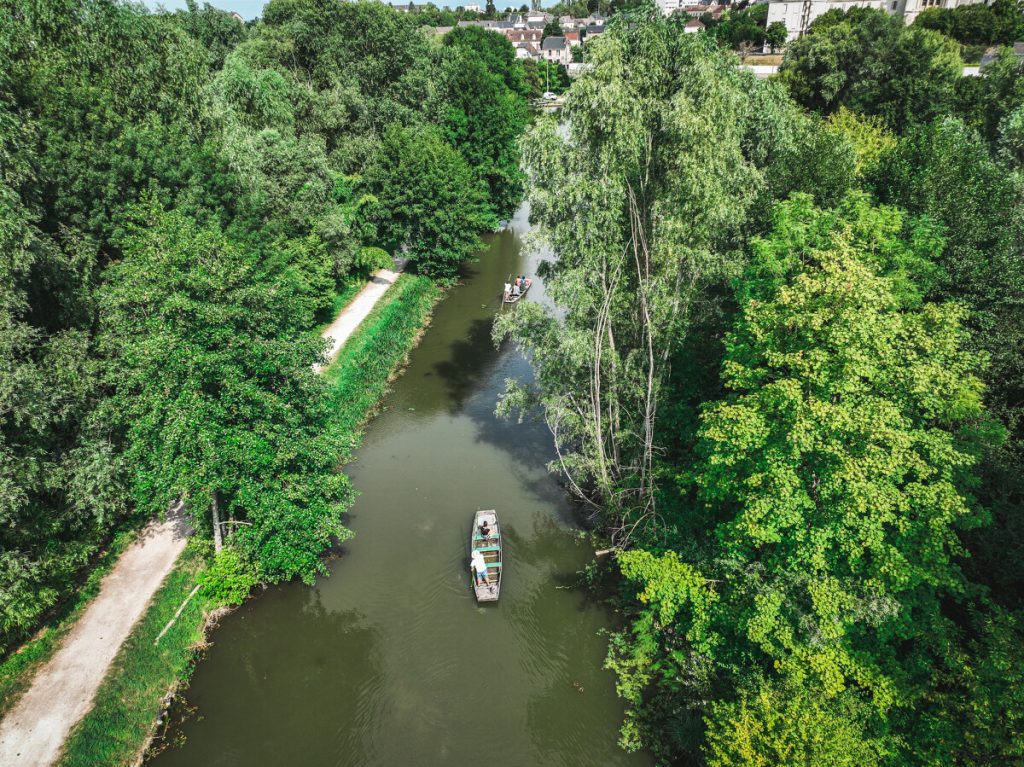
(144, 677)
(19, 666)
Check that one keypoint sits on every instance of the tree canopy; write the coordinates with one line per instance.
(180, 195)
(782, 375)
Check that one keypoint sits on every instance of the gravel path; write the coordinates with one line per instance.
(358, 308)
(33, 732)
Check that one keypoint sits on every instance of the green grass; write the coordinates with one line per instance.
(130, 698)
(361, 374)
(18, 668)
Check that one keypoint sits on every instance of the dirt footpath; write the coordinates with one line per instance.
(351, 316)
(33, 732)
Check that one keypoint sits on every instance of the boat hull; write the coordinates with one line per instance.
(508, 298)
(490, 549)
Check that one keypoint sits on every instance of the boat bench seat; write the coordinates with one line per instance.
(494, 564)
(488, 548)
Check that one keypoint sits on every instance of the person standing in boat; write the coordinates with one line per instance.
(479, 568)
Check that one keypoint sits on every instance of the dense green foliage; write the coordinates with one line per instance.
(427, 192)
(1000, 23)
(739, 28)
(868, 61)
(542, 76)
(181, 196)
(784, 375)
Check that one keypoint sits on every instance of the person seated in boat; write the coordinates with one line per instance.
(485, 530)
(515, 289)
(479, 567)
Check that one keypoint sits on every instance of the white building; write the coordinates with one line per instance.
(797, 15)
(668, 7)
(473, 8)
(556, 49)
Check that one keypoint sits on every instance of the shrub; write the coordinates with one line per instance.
(229, 579)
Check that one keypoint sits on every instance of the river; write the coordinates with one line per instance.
(389, 661)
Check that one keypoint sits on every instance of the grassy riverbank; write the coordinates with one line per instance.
(365, 366)
(131, 697)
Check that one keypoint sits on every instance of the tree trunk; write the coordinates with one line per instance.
(218, 542)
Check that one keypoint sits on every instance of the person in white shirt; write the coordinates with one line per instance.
(479, 568)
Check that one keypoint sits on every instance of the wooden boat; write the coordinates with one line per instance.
(508, 298)
(490, 548)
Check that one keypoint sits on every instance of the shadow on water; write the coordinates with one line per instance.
(470, 362)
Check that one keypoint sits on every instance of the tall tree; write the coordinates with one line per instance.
(664, 206)
(868, 61)
(429, 201)
(944, 170)
(482, 118)
(214, 393)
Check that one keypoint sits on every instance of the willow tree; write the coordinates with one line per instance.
(641, 196)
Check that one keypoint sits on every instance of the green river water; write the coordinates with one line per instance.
(389, 661)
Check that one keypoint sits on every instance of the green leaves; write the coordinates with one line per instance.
(215, 394)
(792, 725)
(483, 117)
(429, 200)
(229, 578)
(867, 60)
(643, 213)
(832, 492)
(179, 195)
(671, 589)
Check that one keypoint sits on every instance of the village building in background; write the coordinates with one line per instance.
(526, 33)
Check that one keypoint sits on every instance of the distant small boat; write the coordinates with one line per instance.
(509, 298)
(489, 547)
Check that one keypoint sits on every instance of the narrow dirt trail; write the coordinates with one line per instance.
(358, 308)
(62, 691)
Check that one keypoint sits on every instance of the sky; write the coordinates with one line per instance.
(250, 9)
